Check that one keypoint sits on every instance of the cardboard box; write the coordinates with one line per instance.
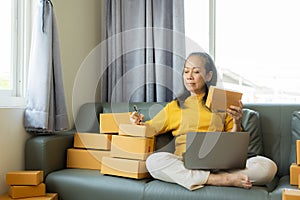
(47, 196)
(20, 191)
(24, 178)
(85, 159)
(136, 130)
(290, 194)
(219, 99)
(109, 122)
(92, 141)
(298, 152)
(294, 173)
(131, 147)
(124, 167)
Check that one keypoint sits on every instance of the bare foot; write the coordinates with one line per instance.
(227, 179)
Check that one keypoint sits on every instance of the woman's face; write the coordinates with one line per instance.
(195, 75)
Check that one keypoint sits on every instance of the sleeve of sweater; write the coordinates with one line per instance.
(161, 122)
(228, 123)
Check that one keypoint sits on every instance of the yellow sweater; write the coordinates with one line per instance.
(194, 117)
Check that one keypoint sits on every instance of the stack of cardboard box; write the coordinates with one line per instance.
(27, 185)
(293, 194)
(120, 148)
(129, 148)
(89, 148)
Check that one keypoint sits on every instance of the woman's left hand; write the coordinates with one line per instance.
(236, 112)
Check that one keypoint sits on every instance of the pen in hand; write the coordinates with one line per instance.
(136, 110)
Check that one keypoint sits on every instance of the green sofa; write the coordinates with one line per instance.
(275, 128)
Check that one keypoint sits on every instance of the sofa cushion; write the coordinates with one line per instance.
(164, 191)
(295, 134)
(84, 184)
(87, 118)
(284, 183)
(251, 124)
(276, 128)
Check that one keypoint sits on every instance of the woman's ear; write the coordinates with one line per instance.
(209, 76)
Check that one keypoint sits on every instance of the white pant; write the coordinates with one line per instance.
(170, 168)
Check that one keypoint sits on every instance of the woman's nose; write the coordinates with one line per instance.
(189, 76)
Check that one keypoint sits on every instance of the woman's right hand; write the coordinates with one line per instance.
(136, 118)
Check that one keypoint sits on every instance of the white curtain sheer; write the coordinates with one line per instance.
(46, 108)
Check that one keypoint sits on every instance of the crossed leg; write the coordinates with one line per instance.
(170, 168)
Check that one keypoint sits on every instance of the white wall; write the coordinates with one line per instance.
(12, 142)
(79, 26)
(79, 29)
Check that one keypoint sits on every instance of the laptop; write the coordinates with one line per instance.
(216, 150)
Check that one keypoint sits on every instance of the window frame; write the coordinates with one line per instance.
(257, 90)
(212, 28)
(21, 33)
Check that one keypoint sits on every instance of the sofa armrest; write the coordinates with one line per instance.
(48, 152)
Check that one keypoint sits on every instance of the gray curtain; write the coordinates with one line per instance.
(46, 108)
(145, 50)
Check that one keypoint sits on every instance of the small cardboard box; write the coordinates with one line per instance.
(219, 99)
(109, 122)
(124, 167)
(290, 194)
(136, 130)
(85, 159)
(92, 141)
(20, 191)
(298, 152)
(47, 196)
(294, 173)
(131, 147)
(24, 178)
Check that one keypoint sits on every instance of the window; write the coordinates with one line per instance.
(197, 24)
(6, 47)
(14, 40)
(255, 46)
